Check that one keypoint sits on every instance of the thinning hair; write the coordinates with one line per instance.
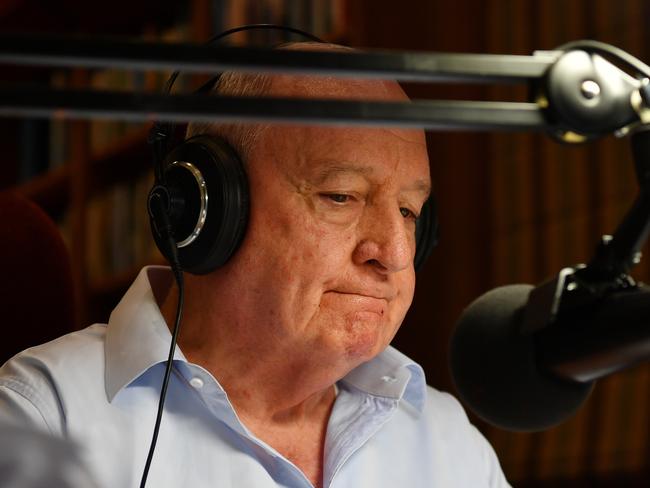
(243, 136)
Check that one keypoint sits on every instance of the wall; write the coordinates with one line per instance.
(516, 208)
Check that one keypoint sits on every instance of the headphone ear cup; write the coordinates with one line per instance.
(426, 232)
(208, 202)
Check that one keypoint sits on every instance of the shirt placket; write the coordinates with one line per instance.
(216, 401)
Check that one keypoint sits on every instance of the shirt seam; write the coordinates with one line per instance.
(24, 390)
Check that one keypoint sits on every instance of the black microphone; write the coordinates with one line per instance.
(521, 376)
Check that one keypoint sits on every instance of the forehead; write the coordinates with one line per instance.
(326, 87)
(378, 151)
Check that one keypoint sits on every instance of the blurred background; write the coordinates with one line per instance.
(513, 207)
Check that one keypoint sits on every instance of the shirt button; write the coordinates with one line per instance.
(196, 383)
(388, 379)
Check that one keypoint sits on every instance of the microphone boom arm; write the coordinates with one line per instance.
(596, 316)
(576, 95)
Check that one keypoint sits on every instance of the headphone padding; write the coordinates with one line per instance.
(426, 233)
(228, 202)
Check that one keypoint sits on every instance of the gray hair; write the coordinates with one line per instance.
(243, 136)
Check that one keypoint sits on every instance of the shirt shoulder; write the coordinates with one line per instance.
(83, 348)
(35, 382)
(445, 407)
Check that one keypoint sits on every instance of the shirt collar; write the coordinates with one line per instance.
(137, 336)
(390, 374)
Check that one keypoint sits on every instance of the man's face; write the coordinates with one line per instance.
(327, 262)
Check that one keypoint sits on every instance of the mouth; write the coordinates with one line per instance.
(362, 302)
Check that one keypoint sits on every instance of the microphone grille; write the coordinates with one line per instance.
(494, 366)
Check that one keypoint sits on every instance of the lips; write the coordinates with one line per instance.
(362, 302)
(365, 290)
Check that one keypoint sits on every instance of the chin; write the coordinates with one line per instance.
(356, 336)
(360, 353)
(364, 343)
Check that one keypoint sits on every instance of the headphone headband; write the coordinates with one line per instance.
(161, 132)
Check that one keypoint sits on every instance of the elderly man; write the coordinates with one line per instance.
(284, 374)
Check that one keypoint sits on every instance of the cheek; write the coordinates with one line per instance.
(291, 258)
(300, 244)
(403, 301)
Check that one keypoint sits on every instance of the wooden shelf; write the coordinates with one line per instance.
(129, 158)
(119, 281)
(125, 160)
(113, 284)
(49, 190)
(120, 17)
(104, 294)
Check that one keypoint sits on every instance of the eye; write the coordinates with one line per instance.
(337, 197)
(407, 214)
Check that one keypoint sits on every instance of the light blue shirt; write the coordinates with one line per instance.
(100, 387)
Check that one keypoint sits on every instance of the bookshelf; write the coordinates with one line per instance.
(99, 171)
(91, 160)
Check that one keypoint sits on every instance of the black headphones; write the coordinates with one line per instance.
(202, 187)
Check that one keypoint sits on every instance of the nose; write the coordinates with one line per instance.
(386, 240)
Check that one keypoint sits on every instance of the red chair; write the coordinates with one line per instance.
(36, 288)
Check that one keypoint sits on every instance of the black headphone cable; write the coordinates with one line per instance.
(158, 208)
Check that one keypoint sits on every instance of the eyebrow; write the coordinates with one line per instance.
(333, 170)
(420, 185)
